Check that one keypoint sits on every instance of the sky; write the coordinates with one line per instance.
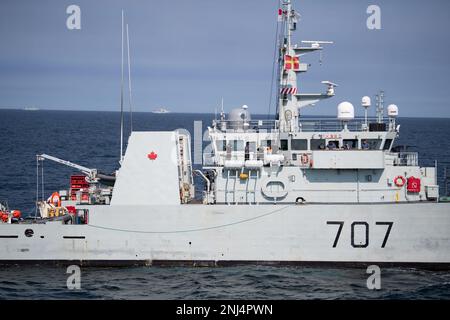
(188, 54)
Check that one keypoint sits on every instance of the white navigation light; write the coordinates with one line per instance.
(245, 107)
(345, 111)
(392, 110)
(365, 102)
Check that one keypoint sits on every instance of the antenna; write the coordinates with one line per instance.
(315, 44)
(365, 103)
(129, 82)
(330, 87)
(380, 106)
(222, 114)
(121, 102)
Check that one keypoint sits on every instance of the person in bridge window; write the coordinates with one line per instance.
(331, 145)
(364, 145)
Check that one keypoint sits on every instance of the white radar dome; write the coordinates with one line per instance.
(238, 117)
(392, 110)
(365, 102)
(345, 111)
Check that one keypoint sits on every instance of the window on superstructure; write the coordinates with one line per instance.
(252, 146)
(387, 144)
(238, 145)
(317, 144)
(221, 145)
(374, 144)
(332, 145)
(349, 144)
(266, 143)
(299, 144)
(284, 146)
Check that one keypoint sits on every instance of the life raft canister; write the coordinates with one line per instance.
(55, 199)
(399, 181)
(413, 185)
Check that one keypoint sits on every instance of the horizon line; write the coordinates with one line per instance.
(204, 113)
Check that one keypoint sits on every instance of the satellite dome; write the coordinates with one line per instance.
(345, 111)
(365, 102)
(238, 117)
(392, 110)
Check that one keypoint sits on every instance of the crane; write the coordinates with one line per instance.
(92, 174)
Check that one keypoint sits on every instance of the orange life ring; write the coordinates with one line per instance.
(399, 181)
(55, 199)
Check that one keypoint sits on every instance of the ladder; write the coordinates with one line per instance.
(185, 174)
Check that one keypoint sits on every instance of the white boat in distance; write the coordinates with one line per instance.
(161, 110)
(31, 109)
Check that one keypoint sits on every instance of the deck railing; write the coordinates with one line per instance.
(407, 159)
(305, 124)
(332, 125)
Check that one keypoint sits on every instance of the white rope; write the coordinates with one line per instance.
(192, 230)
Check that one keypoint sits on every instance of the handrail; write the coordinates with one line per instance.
(305, 125)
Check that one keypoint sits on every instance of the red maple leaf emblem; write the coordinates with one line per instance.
(152, 156)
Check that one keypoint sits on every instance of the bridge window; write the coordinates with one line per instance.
(221, 145)
(317, 144)
(333, 144)
(266, 143)
(371, 144)
(238, 145)
(299, 144)
(349, 144)
(251, 146)
(284, 145)
(387, 144)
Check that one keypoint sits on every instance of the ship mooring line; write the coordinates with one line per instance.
(192, 230)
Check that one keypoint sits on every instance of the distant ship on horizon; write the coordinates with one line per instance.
(161, 110)
(31, 109)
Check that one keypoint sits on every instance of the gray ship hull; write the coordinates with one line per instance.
(414, 234)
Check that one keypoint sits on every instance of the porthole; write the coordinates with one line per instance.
(29, 233)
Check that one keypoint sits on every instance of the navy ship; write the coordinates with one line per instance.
(289, 190)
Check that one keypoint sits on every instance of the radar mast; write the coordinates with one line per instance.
(289, 99)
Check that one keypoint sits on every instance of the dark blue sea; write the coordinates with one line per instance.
(92, 139)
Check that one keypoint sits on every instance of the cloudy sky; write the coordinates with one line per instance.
(187, 54)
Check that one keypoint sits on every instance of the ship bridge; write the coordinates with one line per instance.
(240, 141)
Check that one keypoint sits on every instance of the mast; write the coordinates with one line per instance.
(121, 101)
(289, 99)
(129, 82)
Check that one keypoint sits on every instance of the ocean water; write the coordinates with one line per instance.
(92, 139)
